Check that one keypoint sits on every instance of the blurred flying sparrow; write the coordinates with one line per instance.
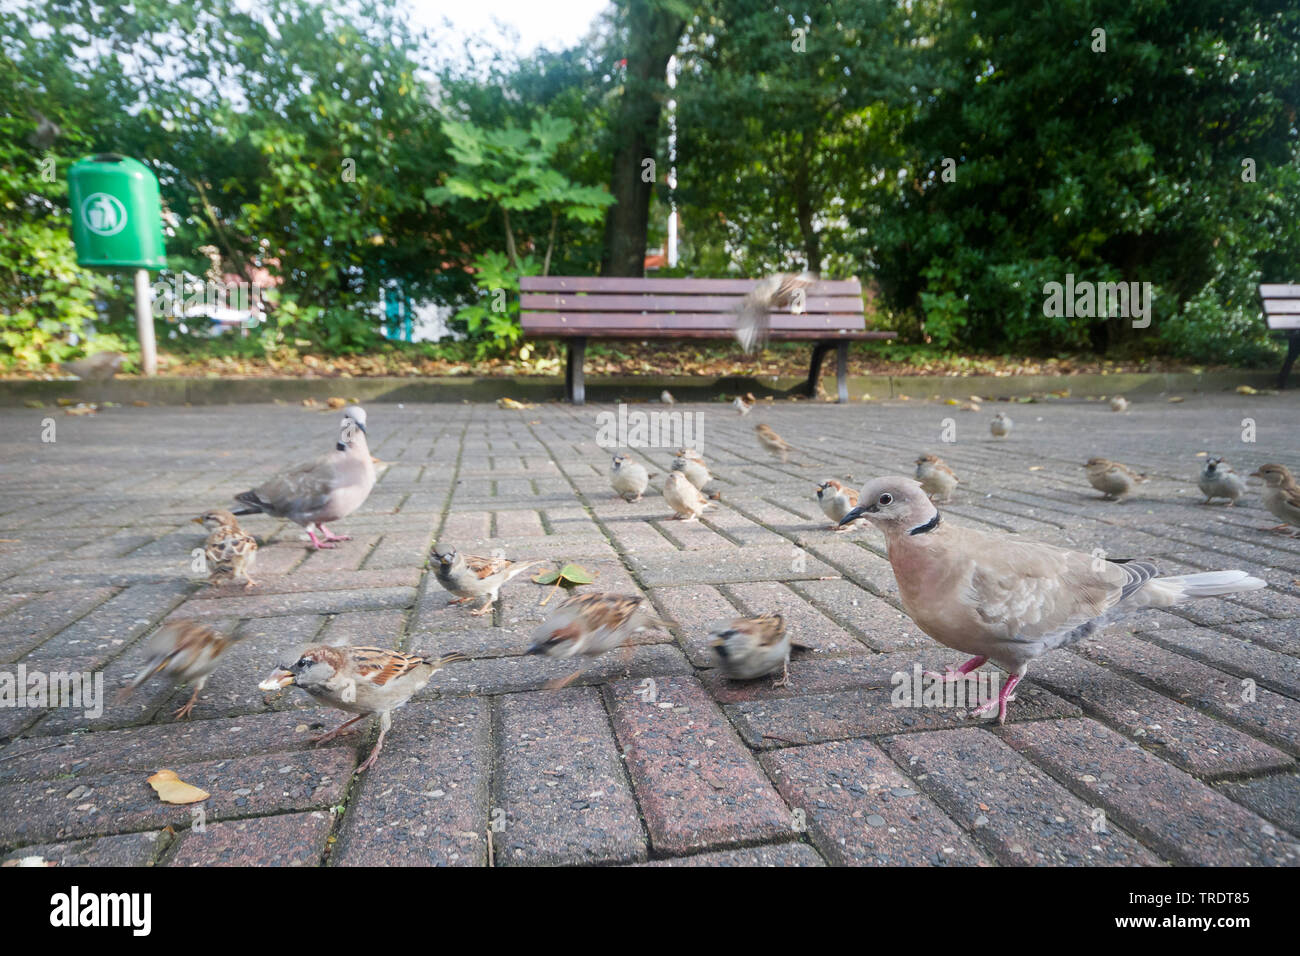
(182, 651)
(590, 624)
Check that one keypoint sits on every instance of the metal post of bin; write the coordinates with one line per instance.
(144, 323)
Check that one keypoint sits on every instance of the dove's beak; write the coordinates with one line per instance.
(277, 680)
(861, 511)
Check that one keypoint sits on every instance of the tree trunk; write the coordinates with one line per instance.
(652, 35)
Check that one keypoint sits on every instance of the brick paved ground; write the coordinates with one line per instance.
(1149, 728)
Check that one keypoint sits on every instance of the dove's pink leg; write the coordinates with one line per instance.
(1001, 703)
(316, 542)
(331, 536)
(951, 675)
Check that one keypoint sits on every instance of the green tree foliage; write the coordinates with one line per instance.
(1122, 165)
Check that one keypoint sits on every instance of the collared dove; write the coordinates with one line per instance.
(327, 489)
(1005, 599)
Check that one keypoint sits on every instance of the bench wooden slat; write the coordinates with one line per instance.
(563, 332)
(1281, 306)
(673, 286)
(720, 324)
(1279, 323)
(549, 302)
(1289, 290)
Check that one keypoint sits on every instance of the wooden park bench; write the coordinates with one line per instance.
(579, 308)
(1282, 312)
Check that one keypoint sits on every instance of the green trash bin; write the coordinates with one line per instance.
(116, 213)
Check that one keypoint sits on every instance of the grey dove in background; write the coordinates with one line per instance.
(327, 489)
(1007, 600)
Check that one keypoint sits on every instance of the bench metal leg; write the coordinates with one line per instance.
(815, 370)
(841, 368)
(574, 388)
(1292, 352)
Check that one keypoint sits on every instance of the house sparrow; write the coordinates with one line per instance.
(230, 550)
(327, 489)
(684, 498)
(1281, 495)
(469, 576)
(359, 680)
(691, 464)
(836, 500)
(628, 478)
(743, 404)
(1218, 480)
(1004, 598)
(773, 442)
(591, 624)
(938, 480)
(1114, 480)
(99, 367)
(667, 397)
(754, 316)
(1001, 425)
(1119, 404)
(183, 651)
(750, 647)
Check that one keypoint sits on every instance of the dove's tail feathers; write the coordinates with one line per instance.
(1162, 592)
(255, 504)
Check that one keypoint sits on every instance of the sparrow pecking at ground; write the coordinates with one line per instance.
(836, 500)
(628, 478)
(588, 625)
(1218, 480)
(1008, 600)
(938, 480)
(1001, 425)
(773, 442)
(691, 464)
(469, 576)
(230, 550)
(773, 293)
(359, 680)
(687, 501)
(1281, 496)
(183, 651)
(1119, 404)
(326, 489)
(751, 647)
(1113, 480)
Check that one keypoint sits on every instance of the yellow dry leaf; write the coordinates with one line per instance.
(336, 402)
(81, 410)
(172, 789)
(511, 403)
(1035, 467)
(1246, 390)
(1176, 399)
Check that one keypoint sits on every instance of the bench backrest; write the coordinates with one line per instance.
(689, 308)
(1281, 305)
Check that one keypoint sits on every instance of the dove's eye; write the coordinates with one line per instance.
(886, 498)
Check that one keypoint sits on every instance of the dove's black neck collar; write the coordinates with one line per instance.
(927, 527)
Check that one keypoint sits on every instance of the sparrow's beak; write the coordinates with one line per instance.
(536, 649)
(861, 511)
(279, 679)
(198, 520)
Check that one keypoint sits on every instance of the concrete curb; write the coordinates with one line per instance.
(214, 391)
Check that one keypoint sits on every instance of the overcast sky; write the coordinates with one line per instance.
(554, 24)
